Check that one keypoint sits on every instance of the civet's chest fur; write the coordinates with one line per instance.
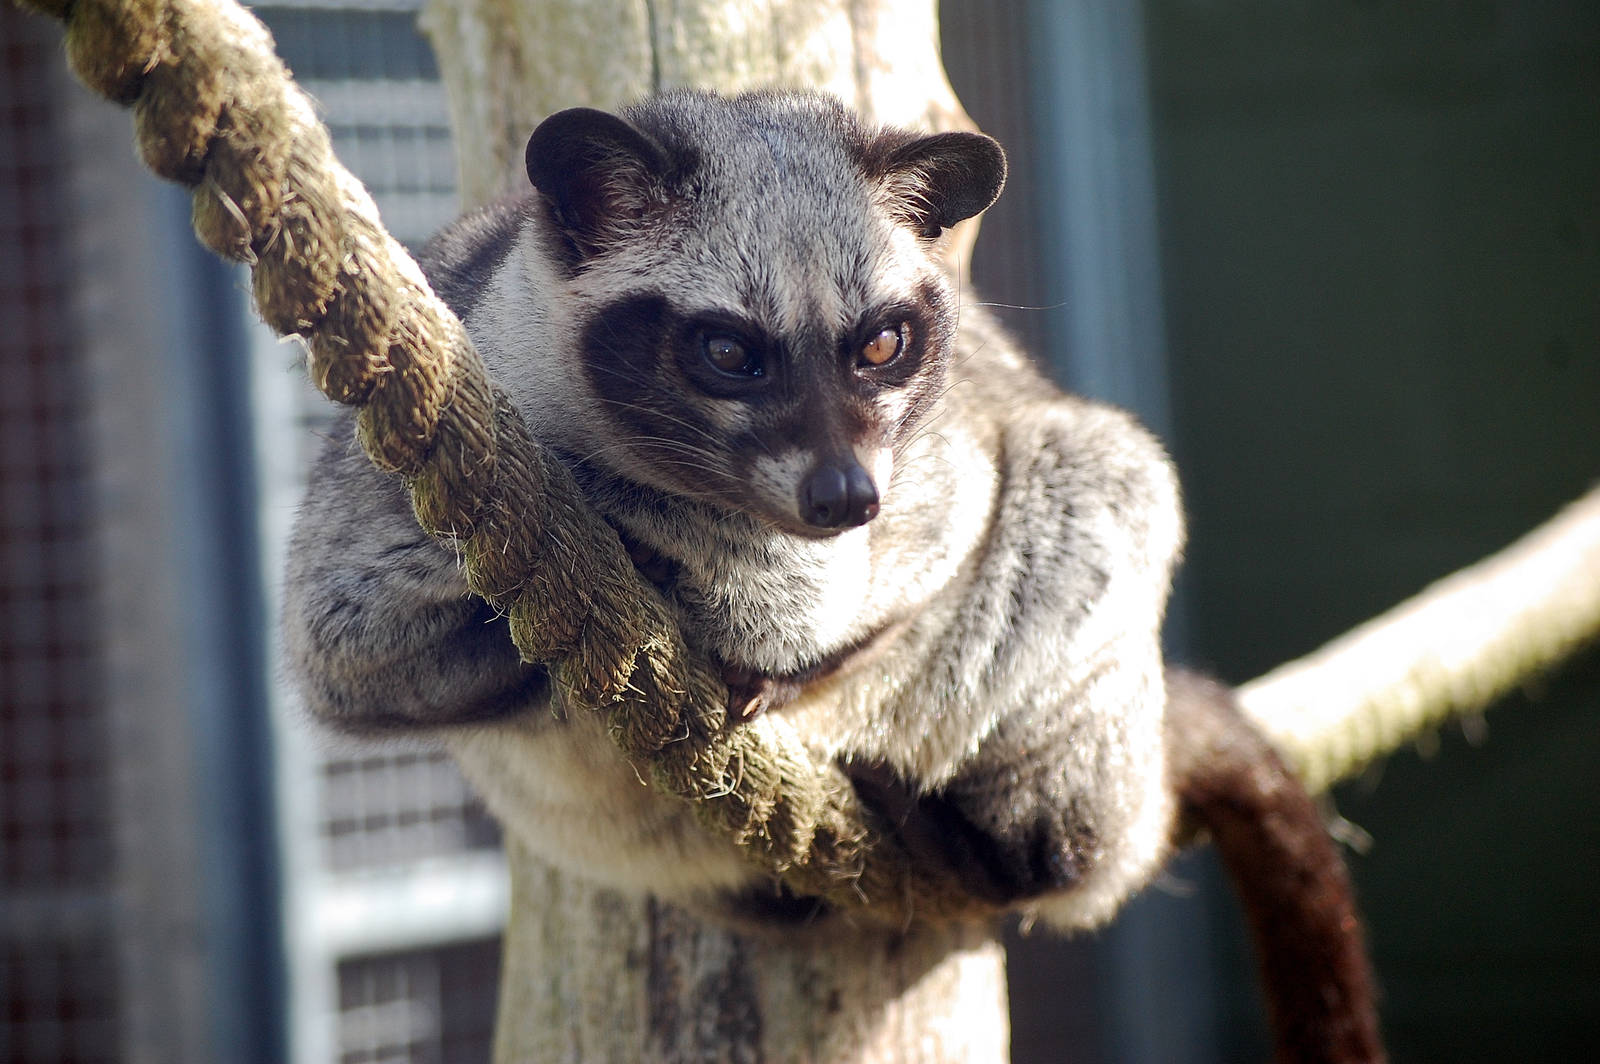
(732, 319)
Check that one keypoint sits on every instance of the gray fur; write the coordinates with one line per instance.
(991, 635)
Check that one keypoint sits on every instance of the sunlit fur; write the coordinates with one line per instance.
(1001, 609)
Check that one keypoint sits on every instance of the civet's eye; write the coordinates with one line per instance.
(730, 355)
(886, 346)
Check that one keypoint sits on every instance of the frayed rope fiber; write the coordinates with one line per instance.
(216, 110)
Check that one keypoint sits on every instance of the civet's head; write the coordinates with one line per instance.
(765, 314)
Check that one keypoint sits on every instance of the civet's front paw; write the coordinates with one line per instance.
(1004, 840)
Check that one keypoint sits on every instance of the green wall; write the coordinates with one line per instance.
(1380, 230)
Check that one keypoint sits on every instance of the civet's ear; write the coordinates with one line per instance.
(601, 176)
(933, 182)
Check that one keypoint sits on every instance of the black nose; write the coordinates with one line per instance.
(838, 495)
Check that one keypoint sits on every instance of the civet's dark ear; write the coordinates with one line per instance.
(934, 182)
(601, 176)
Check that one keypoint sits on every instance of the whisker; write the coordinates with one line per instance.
(1019, 306)
(699, 430)
(928, 457)
(709, 459)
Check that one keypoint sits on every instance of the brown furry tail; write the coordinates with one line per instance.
(1289, 878)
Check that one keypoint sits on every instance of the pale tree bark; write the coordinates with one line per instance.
(593, 975)
(508, 63)
(588, 975)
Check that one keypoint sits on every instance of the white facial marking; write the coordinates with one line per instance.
(728, 419)
(893, 407)
(845, 577)
(775, 479)
(879, 464)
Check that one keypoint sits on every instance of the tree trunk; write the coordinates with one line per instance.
(590, 975)
(593, 975)
(508, 63)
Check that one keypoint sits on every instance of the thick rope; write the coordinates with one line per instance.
(1453, 648)
(216, 110)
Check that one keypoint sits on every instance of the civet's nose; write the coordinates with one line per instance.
(838, 494)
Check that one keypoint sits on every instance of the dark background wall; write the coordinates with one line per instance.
(1376, 279)
(1380, 230)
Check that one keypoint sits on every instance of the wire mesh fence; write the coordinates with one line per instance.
(57, 974)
